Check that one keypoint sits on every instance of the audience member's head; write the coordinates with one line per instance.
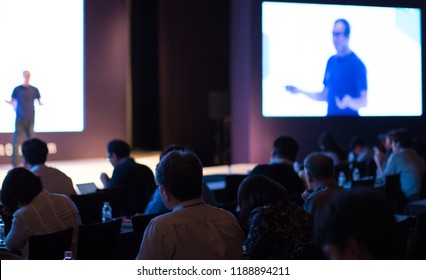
(19, 188)
(328, 144)
(117, 150)
(388, 139)
(401, 138)
(170, 148)
(357, 225)
(179, 175)
(381, 143)
(34, 151)
(319, 170)
(255, 191)
(285, 147)
(357, 144)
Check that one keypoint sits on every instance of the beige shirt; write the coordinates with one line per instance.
(47, 213)
(54, 180)
(194, 230)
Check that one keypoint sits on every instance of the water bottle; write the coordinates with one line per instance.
(106, 212)
(341, 179)
(355, 175)
(68, 256)
(2, 241)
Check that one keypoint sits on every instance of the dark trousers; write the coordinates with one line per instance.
(22, 128)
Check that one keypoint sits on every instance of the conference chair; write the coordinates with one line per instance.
(394, 193)
(6, 255)
(98, 241)
(366, 182)
(139, 224)
(423, 187)
(405, 229)
(420, 251)
(50, 246)
(90, 205)
(308, 251)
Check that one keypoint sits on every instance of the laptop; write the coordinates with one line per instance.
(87, 188)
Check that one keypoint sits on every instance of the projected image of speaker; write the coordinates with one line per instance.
(349, 59)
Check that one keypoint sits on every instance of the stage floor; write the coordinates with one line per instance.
(89, 170)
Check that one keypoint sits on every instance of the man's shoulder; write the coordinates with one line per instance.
(58, 197)
(354, 58)
(259, 168)
(48, 171)
(52, 170)
(271, 168)
(132, 164)
(18, 89)
(325, 191)
(142, 167)
(278, 172)
(191, 214)
(162, 222)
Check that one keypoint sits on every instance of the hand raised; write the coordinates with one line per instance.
(292, 89)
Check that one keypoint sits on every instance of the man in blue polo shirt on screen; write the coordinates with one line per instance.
(345, 79)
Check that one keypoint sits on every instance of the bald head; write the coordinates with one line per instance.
(320, 166)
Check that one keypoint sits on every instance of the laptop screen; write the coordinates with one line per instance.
(87, 188)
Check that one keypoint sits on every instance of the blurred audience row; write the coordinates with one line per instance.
(282, 208)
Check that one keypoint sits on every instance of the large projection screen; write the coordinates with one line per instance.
(78, 55)
(297, 43)
(45, 37)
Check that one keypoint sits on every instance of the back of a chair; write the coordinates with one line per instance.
(6, 255)
(403, 239)
(90, 205)
(394, 193)
(227, 193)
(361, 166)
(50, 246)
(139, 187)
(367, 182)
(232, 182)
(421, 237)
(98, 241)
(345, 168)
(304, 252)
(139, 223)
(423, 187)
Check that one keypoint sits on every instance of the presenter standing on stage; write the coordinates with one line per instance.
(345, 79)
(22, 100)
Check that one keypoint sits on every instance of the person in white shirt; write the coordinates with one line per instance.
(194, 229)
(35, 211)
(405, 161)
(34, 152)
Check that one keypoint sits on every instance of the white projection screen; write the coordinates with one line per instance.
(45, 37)
(297, 43)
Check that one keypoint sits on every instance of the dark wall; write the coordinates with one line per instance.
(145, 80)
(106, 70)
(252, 135)
(193, 49)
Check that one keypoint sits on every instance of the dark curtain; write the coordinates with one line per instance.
(193, 50)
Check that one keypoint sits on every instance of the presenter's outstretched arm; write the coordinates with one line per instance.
(318, 96)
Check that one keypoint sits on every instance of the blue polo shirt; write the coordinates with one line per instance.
(344, 75)
(25, 97)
